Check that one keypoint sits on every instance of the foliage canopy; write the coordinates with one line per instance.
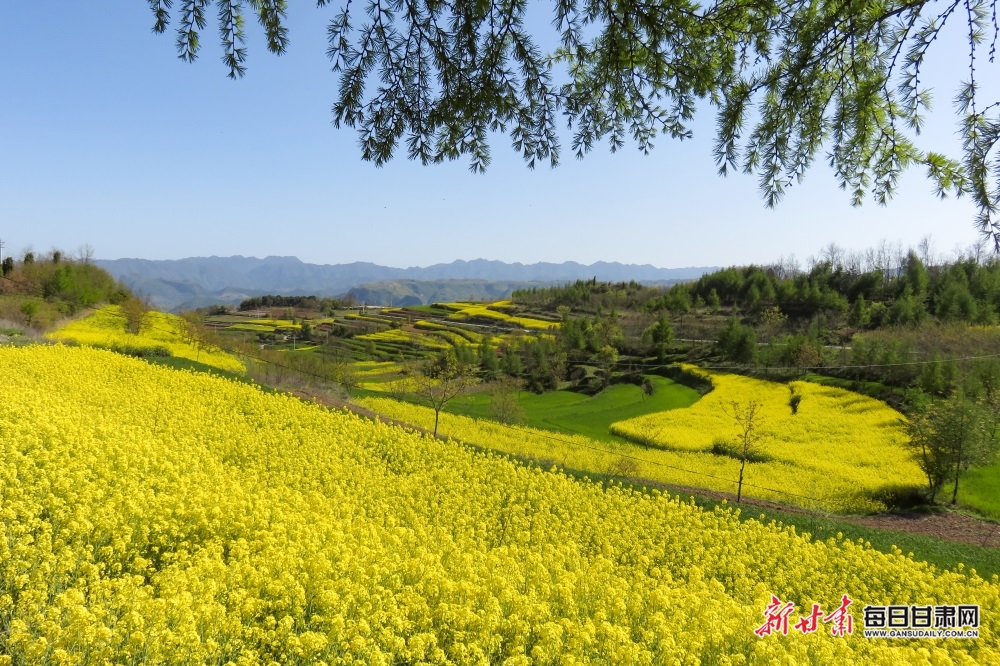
(787, 79)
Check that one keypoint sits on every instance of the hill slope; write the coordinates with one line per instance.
(158, 516)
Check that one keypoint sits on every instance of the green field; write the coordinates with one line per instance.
(576, 413)
(978, 489)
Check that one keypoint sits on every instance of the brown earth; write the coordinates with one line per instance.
(949, 525)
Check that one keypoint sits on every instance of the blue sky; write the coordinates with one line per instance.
(109, 140)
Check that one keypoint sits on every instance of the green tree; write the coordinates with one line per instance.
(510, 362)
(932, 380)
(465, 355)
(489, 363)
(504, 406)
(30, 310)
(608, 331)
(678, 299)
(860, 316)
(737, 342)
(545, 364)
(607, 357)
(907, 310)
(713, 301)
(658, 338)
(915, 275)
(948, 436)
(752, 299)
(136, 314)
(789, 81)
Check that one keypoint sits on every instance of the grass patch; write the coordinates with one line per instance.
(575, 413)
(979, 489)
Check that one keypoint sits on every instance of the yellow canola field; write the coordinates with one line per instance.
(256, 328)
(264, 325)
(150, 515)
(471, 337)
(851, 491)
(105, 327)
(855, 442)
(273, 323)
(399, 336)
(463, 311)
(375, 368)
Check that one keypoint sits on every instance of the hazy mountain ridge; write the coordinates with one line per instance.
(424, 292)
(197, 281)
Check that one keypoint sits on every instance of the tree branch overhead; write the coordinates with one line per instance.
(790, 81)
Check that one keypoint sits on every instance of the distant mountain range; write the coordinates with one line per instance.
(197, 281)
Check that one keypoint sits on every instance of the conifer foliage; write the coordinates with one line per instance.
(787, 80)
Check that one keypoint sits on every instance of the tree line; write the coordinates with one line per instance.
(315, 303)
(38, 289)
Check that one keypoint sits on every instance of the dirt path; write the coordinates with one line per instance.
(947, 525)
(951, 526)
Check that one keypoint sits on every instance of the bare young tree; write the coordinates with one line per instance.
(750, 426)
(648, 430)
(926, 250)
(853, 262)
(442, 380)
(834, 255)
(86, 253)
(199, 335)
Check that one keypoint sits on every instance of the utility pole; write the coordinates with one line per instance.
(2, 244)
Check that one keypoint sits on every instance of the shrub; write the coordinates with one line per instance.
(794, 399)
(139, 351)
